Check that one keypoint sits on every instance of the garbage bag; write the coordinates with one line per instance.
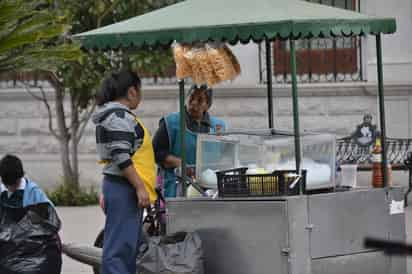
(31, 245)
(179, 253)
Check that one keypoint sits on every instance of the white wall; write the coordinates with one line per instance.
(397, 48)
(248, 57)
(323, 107)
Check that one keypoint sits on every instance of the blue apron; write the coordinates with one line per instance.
(173, 126)
(32, 194)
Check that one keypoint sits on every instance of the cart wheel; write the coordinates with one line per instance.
(98, 243)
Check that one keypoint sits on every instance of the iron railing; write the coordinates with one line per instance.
(14, 80)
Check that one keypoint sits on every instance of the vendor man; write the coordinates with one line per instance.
(166, 141)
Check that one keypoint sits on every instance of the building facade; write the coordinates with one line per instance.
(337, 86)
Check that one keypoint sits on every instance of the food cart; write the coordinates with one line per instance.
(319, 233)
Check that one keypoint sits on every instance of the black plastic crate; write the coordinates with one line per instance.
(236, 183)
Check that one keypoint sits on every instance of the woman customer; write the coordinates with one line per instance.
(166, 141)
(124, 146)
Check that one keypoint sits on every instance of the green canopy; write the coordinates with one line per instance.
(233, 21)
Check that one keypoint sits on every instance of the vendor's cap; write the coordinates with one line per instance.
(209, 92)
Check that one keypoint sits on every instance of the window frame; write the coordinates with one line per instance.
(315, 61)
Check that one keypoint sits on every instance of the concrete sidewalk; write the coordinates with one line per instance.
(79, 225)
(82, 224)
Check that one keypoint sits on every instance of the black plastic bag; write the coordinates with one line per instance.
(180, 253)
(32, 245)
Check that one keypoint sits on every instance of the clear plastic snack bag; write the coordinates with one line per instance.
(224, 62)
(183, 68)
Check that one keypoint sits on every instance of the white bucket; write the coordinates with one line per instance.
(349, 174)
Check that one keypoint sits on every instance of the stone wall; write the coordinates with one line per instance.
(335, 108)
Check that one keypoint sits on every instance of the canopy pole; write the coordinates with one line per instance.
(269, 82)
(295, 106)
(382, 108)
(182, 133)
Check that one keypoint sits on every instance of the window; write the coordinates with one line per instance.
(321, 60)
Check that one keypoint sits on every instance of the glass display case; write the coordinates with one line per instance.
(265, 151)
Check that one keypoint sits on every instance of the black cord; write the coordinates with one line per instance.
(388, 247)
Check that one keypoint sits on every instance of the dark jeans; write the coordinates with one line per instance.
(123, 227)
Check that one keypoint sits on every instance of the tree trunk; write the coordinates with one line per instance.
(74, 141)
(75, 163)
(68, 176)
(64, 140)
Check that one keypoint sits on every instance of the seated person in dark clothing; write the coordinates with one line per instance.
(16, 191)
(166, 142)
(28, 222)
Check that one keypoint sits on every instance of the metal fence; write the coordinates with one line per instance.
(15, 80)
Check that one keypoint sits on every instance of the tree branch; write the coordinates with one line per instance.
(53, 79)
(106, 12)
(59, 99)
(28, 90)
(85, 119)
(12, 55)
(46, 103)
(74, 121)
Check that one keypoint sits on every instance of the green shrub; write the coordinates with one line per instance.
(64, 195)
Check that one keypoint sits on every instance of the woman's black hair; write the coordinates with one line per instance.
(209, 92)
(11, 170)
(116, 86)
